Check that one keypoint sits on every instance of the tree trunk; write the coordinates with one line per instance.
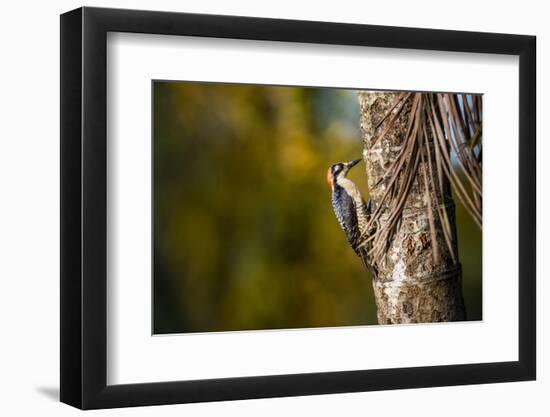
(412, 285)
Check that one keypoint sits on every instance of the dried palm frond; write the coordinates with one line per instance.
(444, 138)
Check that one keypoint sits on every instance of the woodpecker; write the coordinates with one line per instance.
(351, 211)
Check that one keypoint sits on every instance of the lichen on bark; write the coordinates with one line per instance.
(414, 282)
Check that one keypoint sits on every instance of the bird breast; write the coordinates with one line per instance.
(360, 205)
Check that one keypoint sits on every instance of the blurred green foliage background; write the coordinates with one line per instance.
(244, 233)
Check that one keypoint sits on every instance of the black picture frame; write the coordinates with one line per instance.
(84, 207)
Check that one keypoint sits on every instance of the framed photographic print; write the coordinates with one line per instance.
(258, 208)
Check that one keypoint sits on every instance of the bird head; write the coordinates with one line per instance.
(340, 170)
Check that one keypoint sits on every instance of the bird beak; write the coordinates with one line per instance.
(353, 163)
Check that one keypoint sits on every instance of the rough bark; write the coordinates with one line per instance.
(411, 284)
